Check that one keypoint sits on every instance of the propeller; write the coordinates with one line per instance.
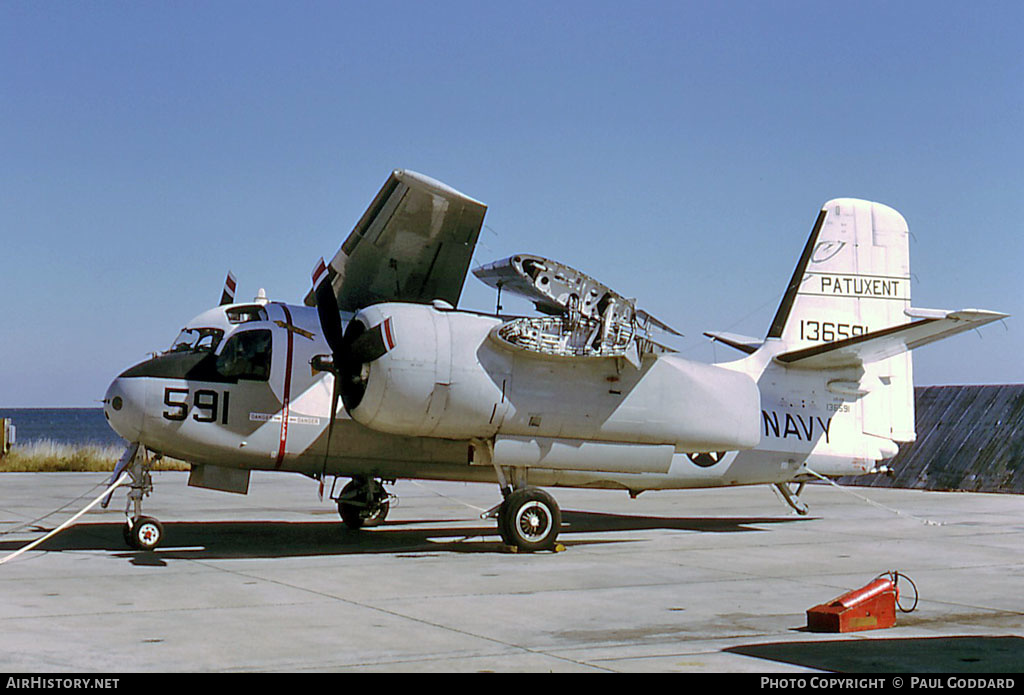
(351, 350)
(330, 323)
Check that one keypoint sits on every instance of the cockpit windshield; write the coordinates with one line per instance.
(245, 314)
(197, 340)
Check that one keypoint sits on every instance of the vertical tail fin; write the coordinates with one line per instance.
(853, 278)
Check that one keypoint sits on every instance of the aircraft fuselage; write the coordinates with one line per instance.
(245, 395)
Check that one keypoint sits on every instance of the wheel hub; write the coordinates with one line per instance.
(148, 533)
(534, 520)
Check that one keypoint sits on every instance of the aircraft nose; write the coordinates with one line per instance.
(125, 405)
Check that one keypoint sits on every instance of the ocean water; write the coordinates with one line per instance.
(77, 426)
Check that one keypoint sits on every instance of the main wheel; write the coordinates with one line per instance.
(146, 533)
(529, 519)
(357, 516)
(359, 508)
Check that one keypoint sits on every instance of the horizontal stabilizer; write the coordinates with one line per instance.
(742, 343)
(931, 325)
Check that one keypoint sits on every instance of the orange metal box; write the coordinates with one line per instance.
(871, 607)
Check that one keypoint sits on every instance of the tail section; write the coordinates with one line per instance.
(845, 329)
(853, 276)
(852, 281)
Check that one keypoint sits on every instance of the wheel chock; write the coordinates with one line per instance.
(871, 607)
(559, 548)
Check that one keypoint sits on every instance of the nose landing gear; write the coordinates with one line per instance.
(140, 532)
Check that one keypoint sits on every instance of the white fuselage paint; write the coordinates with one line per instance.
(798, 422)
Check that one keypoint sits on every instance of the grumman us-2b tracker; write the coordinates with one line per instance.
(378, 376)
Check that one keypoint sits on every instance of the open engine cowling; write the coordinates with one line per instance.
(445, 373)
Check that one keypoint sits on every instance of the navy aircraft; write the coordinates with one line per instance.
(378, 376)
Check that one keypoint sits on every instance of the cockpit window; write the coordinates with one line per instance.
(246, 356)
(197, 340)
(244, 314)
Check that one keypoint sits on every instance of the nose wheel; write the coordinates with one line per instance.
(143, 533)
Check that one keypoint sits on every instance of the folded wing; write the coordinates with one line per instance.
(413, 244)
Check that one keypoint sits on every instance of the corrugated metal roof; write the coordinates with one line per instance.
(968, 438)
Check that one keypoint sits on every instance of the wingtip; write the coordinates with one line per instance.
(407, 175)
(978, 315)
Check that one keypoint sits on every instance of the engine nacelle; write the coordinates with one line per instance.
(447, 373)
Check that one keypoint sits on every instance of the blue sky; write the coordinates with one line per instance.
(677, 151)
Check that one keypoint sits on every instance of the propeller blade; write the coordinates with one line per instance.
(335, 395)
(122, 463)
(327, 310)
(330, 323)
(351, 350)
(368, 346)
(228, 295)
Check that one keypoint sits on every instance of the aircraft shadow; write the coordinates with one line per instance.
(275, 539)
(966, 654)
(586, 522)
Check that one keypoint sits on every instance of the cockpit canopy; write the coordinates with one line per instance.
(197, 340)
(204, 335)
(246, 313)
(225, 343)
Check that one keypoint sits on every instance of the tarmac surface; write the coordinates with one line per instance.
(704, 580)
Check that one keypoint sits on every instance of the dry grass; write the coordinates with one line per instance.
(48, 457)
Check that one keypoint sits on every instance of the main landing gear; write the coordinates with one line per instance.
(363, 503)
(529, 519)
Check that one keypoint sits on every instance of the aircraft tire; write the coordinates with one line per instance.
(146, 533)
(503, 531)
(530, 519)
(353, 517)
